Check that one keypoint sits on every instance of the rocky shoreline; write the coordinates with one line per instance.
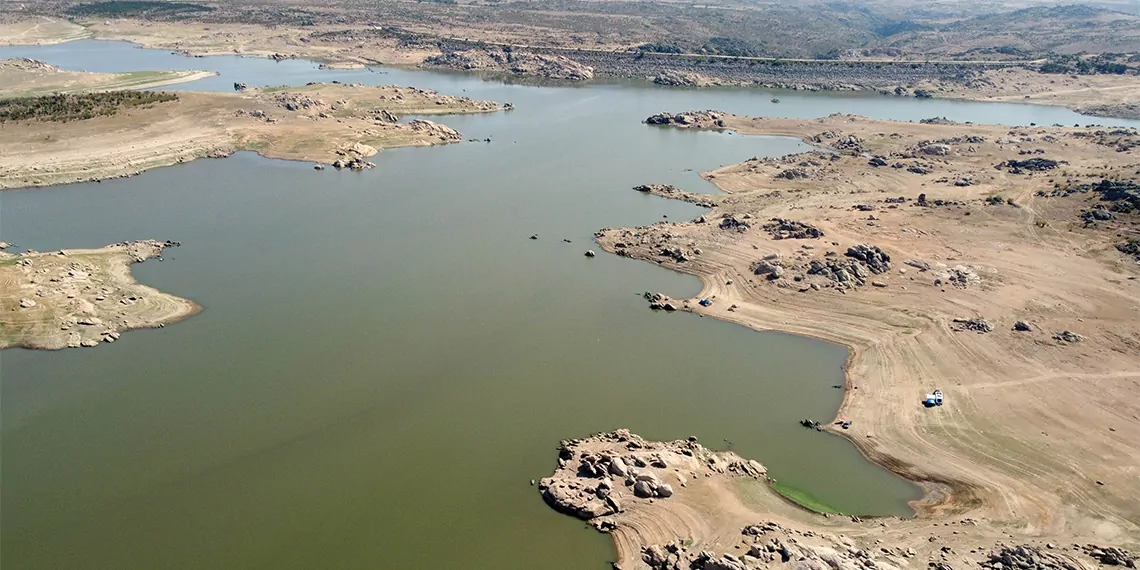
(609, 473)
(884, 242)
(82, 298)
(801, 75)
(641, 492)
(515, 62)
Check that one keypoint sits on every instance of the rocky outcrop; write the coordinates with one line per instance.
(730, 222)
(976, 324)
(819, 75)
(709, 119)
(1118, 110)
(662, 302)
(1036, 164)
(443, 133)
(512, 61)
(675, 78)
(1130, 247)
(1068, 337)
(1110, 555)
(848, 144)
(1027, 557)
(604, 474)
(877, 260)
(792, 229)
(674, 193)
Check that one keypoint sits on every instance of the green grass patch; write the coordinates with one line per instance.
(804, 499)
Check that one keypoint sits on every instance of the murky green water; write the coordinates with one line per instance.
(385, 360)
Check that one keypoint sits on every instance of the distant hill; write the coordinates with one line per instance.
(1037, 30)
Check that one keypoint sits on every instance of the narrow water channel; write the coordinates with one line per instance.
(385, 360)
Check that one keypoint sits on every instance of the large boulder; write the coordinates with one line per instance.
(617, 467)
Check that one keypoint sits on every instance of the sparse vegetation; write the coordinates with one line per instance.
(77, 107)
(1077, 65)
(136, 9)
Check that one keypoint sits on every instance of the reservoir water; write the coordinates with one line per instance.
(385, 360)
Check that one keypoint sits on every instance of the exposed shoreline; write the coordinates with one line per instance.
(326, 124)
(905, 337)
(882, 338)
(31, 78)
(1105, 96)
(83, 297)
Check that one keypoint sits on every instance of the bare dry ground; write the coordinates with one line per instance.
(337, 44)
(327, 124)
(1104, 95)
(81, 297)
(26, 77)
(1040, 433)
(39, 30)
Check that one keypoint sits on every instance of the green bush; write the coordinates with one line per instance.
(77, 107)
(135, 8)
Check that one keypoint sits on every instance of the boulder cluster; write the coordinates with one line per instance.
(729, 222)
(1110, 555)
(781, 228)
(709, 119)
(674, 193)
(1036, 164)
(660, 302)
(850, 144)
(519, 62)
(675, 78)
(599, 475)
(976, 324)
(1130, 247)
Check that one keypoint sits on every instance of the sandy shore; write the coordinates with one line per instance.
(81, 297)
(1040, 432)
(29, 78)
(337, 125)
(1104, 95)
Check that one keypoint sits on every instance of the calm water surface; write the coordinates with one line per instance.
(385, 360)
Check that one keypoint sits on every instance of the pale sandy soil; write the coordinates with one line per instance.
(1039, 439)
(26, 77)
(247, 39)
(328, 123)
(81, 297)
(1103, 95)
(39, 30)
